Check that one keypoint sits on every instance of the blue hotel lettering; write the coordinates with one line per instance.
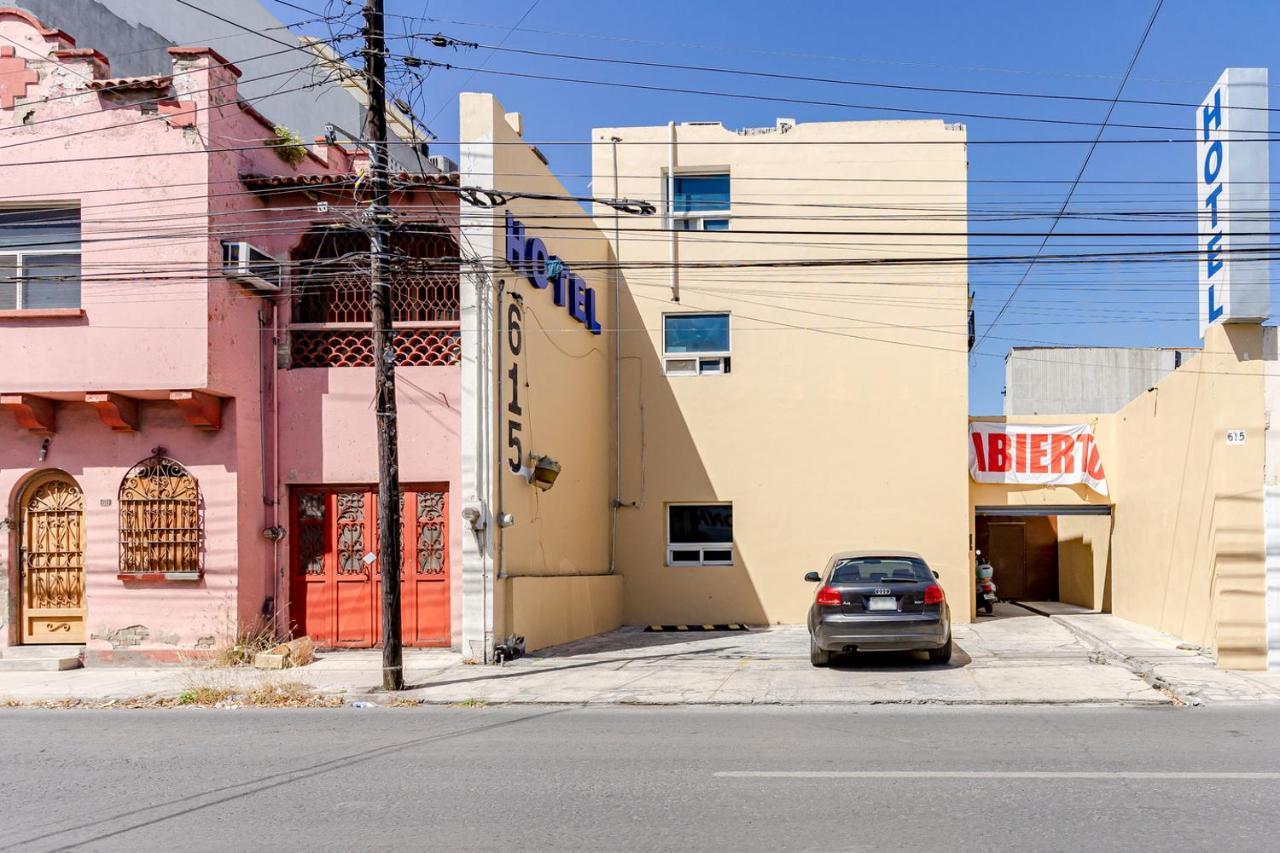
(1213, 157)
(529, 256)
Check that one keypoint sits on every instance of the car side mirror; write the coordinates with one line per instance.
(813, 577)
(938, 576)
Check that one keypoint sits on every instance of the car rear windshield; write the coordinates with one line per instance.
(873, 569)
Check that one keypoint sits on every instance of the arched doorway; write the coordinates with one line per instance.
(51, 560)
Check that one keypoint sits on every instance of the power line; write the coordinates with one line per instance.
(779, 99)
(1084, 165)
(770, 75)
(503, 41)
(738, 48)
(239, 26)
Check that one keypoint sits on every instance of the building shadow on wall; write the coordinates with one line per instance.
(662, 464)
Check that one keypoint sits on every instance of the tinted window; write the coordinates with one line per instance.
(871, 569)
(41, 229)
(50, 281)
(696, 193)
(8, 282)
(695, 524)
(695, 333)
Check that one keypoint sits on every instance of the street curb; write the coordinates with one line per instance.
(378, 698)
(1139, 667)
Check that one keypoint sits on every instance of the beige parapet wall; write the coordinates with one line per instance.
(1188, 545)
(544, 381)
(1187, 540)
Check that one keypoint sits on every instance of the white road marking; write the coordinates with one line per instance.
(996, 774)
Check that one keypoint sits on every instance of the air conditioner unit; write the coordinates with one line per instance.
(247, 265)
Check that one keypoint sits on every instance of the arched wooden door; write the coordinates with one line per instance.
(51, 560)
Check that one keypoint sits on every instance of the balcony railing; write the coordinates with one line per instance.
(351, 344)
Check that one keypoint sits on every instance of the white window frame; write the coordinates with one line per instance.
(701, 547)
(19, 277)
(709, 363)
(696, 219)
(20, 254)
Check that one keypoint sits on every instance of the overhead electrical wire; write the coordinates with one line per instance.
(780, 99)
(456, 264)
(773, 75)
(1066, 202)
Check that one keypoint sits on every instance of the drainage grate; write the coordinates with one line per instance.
(729, 627)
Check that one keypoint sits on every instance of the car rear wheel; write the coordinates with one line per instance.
(817, 656)
(941, 655)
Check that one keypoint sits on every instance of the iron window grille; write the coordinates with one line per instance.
(161, 520)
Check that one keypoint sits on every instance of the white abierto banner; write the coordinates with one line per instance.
(1035, 454)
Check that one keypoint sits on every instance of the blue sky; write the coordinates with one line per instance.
(1077, 48)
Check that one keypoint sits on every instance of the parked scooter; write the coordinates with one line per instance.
(986, 586)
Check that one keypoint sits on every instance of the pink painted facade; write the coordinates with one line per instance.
(161, 172)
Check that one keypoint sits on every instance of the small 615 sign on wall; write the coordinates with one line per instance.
(1235, 436)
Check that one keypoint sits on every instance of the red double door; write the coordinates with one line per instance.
(337, 586)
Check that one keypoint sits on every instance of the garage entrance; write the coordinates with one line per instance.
(1048, 553)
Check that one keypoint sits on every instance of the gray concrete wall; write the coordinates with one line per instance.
(1076, 380)
(134, 34)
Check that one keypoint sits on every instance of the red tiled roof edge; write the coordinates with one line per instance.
(265, 181)
(125, 83)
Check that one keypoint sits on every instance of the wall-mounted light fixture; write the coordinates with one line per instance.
(543, 471)
(274, 534)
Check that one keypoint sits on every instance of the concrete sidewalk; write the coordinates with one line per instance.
(1015, 657)
(1185, 670)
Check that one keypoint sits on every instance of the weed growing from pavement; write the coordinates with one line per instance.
(288, 694)
(246, 645)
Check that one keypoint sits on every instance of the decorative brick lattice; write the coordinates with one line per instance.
(332, 290)
(354, 348)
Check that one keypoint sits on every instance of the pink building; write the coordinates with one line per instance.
(187, 450)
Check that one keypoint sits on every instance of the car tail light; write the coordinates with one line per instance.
(829, 596)
(933, 594)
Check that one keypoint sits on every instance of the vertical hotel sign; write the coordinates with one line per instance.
(1232, 174)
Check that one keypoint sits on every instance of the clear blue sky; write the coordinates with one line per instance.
(1076, 48)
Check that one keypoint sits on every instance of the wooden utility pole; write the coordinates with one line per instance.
(384, 354)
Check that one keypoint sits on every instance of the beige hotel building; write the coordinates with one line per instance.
(771, 366)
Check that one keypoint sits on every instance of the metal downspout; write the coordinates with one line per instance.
(671, 210)
(500, 512)
(617, 372)
(281, 572)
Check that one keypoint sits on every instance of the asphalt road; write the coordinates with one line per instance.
(641, 779)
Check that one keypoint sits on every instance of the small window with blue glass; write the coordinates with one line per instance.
(700, 202)
(695, 344)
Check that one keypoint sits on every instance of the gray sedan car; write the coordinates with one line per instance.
(878, 601)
